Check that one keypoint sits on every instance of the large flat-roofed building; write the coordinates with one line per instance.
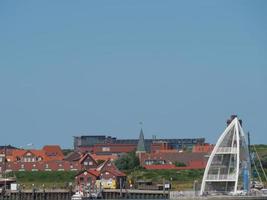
(91, 140)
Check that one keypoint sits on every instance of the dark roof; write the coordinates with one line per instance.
(73, 156)
(7, 147)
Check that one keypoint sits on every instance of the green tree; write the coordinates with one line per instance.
(128, 161)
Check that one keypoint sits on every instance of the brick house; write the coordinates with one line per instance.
(172, 160)
(106, 174)
(200, 148)
(87, 178)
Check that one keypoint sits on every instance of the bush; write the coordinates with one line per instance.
(179, 164)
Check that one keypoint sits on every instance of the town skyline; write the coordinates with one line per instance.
(180, 67)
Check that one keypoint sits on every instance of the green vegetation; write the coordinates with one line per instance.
(179, 164)
(181, 179)
(262, 152)
(51, 179)
(128, 162)
(174, 175)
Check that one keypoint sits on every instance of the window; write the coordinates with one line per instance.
(85, 163)
(90, 163)
(22, 166)
(81, 179)
(105, 148)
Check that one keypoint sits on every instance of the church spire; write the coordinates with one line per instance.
(141, 143)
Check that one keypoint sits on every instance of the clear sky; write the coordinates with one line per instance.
(100, 67)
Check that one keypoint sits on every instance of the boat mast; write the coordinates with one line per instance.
(5, 169)
(249, 152)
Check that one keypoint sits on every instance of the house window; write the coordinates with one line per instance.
(85, 163)
(22, 166)
(33, 159)
(105, 148)
(46, 166)
(1, 159)
(81, 179)
(90, 163)
(71, 166)
(28, 154)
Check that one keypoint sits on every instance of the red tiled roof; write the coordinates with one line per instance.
(192, 165)
(115, 172)
(104, 157)
(171, 157)
(53, 152)
(93, 172)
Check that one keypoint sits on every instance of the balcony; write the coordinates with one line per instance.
(226, 150)
(221, 177)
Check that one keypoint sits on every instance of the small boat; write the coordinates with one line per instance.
(81, 196)
(77, 196)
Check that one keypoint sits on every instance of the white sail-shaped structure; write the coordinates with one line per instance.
(228, 167)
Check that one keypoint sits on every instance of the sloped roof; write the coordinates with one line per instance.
(104, 157)
(73, 156)
(90, 171)
(53, 152)
(115, 172)
(184, 157)
(86, 156)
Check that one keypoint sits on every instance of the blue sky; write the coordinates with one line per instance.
(82, 67)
